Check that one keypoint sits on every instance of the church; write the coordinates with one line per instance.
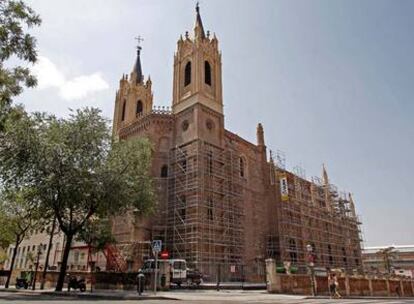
(223, 204)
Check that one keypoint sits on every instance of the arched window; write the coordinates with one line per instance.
(164, 171)
(293, 251)
(241, 164)
(210, 209)
(139, 107)
(183, 206)
(123, 111)
(330, 254)
(210, 162)
(187, 74)
(207, 73)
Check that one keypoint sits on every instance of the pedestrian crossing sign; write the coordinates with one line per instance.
(156, 245)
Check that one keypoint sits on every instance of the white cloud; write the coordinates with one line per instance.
(49, 76)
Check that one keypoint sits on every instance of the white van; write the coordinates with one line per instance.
(178, 269)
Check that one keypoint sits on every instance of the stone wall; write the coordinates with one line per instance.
(348, 285)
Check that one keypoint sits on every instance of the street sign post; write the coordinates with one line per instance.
(156, 249)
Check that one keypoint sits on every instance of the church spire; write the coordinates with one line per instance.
(137, 67)
(325, 178)
(137, 70)
(198, 28)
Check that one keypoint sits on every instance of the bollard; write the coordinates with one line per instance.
(140, 283)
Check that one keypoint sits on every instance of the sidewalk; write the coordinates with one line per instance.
(186, 295)
(96, 294)
(362, 298)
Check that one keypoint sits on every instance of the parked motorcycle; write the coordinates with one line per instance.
(74, 283)
(21, 283)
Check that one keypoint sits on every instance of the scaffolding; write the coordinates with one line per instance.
(316, 214)
(205, 210)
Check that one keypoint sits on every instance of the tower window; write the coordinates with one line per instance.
(210, 162)
(210, 209)
(164, 171)
(187, 74)
(123, 111)
(182, 210)
(241, 163)
(207, 73)
(293, 251)
(139, 107)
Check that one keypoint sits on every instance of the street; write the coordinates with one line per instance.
(195, 297)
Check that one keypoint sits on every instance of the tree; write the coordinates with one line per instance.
(387, 254)
(76, 171)
(51, 230)
(97, 234)
(14, 17)
(19, 217)
(6, 235)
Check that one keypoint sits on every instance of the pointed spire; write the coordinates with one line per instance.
(325, 178)
(352, 205)
(260, 135)
(198, 28)
(137, 67)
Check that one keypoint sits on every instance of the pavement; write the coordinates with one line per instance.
(175, 296)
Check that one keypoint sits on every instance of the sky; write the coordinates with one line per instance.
(331, 81)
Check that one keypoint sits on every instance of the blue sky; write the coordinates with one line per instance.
(331, 81)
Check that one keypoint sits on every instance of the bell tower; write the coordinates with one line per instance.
(134, 97)
(197, 90)
(197, 70)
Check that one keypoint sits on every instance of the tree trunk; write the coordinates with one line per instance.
(42, 284)
(12, 262)
(62, 273)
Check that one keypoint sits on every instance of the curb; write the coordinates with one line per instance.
(98, 296)
(363, 298)
(106, 296)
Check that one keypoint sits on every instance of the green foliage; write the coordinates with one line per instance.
(72, 167)
(73, 170)
(97, 234)
(15, 17)
(3, 256)
(18, 215)
(6, 235)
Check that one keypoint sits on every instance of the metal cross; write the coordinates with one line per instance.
(139, 39)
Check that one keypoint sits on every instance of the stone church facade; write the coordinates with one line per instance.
(220, 204)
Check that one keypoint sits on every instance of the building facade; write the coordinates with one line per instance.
(33, 250)
(398, 261)
(223, 204)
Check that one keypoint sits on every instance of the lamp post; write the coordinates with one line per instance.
(311, 265)
(39, 252)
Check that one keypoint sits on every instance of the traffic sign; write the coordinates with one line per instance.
(164, 254)
(156, 245)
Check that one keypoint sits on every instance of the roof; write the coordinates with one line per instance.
(400, 248)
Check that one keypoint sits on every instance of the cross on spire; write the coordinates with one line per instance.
(137, 67)
(139, 39)
(198, 29)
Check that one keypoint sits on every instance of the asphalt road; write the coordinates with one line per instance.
(16, 298)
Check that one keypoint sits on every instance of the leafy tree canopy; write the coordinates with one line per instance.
(15, 18)
(74, 169)
(97, 234)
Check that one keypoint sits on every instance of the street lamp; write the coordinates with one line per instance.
(39, 252)
(311, 265)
